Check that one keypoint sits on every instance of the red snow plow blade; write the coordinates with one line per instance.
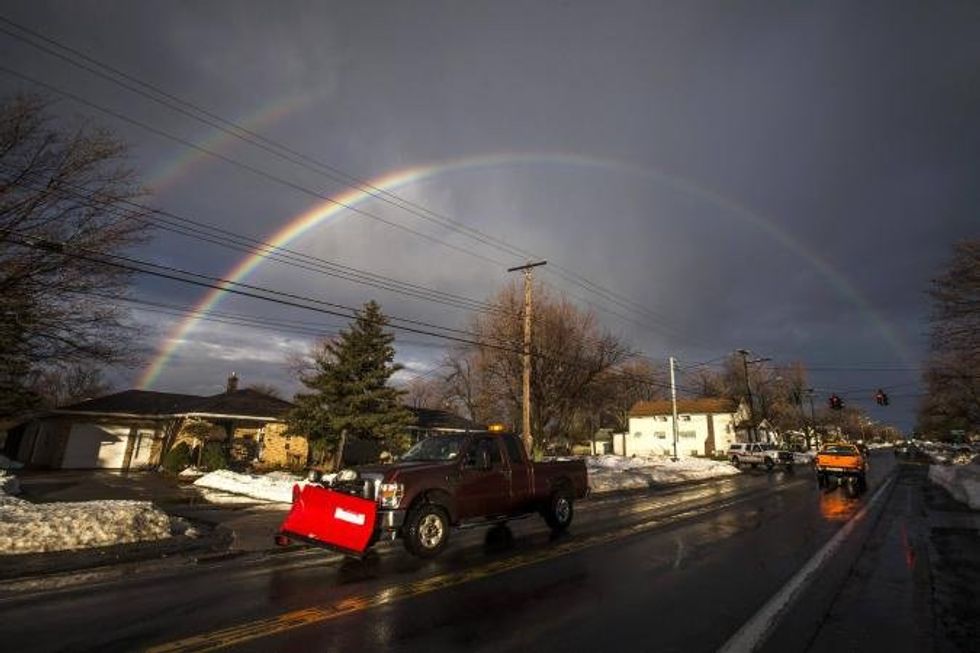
(330, 519)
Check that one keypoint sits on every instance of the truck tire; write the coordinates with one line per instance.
(426, 530)
(768, 464)
(735, 461)
(559, 511)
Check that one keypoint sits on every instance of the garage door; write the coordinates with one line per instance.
(94, 446)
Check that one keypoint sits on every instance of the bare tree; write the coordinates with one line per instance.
(626, 384)
(951, 376)
(66, 204)
(62, 386)
(424, 392)
(570, 356)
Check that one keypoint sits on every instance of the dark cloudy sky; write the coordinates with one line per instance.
(780, 176)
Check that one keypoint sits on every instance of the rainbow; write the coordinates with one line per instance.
(170, 172)
(343, 203)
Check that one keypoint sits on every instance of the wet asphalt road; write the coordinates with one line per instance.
(669, 570)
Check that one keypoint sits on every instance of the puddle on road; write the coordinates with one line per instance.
(838, 506)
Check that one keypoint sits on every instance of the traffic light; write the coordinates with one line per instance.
(881, 398)
(836, 403)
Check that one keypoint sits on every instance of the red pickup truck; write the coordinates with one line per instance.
(443, 482)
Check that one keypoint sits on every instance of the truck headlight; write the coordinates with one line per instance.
(390, 494)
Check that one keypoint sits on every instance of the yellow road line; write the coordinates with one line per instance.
(319, 614)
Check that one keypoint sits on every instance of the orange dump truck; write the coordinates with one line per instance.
(841, 460)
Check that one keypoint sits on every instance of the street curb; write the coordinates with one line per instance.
(37, 565)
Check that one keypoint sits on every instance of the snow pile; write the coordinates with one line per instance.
(804, 457)
(610, 473)
(32, 528)
(961, 481)
(191, 472)
(7, 463)
(8, 483)
(274, 486)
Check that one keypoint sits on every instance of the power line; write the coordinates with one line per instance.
(243, 166)
(203, 235)
(235, 130)
(204, 232)
(278, 297)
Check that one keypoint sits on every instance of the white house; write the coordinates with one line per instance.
(704, 426)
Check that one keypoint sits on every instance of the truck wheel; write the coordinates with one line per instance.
(426, 530)
(735, 461)
(559, 511)
(821, 480)
(768, 463)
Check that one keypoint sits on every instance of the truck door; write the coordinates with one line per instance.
(521, 491)
(483, 492)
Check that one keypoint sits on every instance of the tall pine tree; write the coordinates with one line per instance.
(349, 395)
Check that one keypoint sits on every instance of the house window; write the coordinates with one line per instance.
(637, 435)
(661, 435)
(685, 418)
(662, 418)
(687, 434)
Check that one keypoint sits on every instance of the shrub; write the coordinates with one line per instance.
(177, 458)
(213, 457)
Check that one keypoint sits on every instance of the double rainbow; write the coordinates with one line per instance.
(340, 205)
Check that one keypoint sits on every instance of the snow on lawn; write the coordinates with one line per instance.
(961, 481)
(274, 486)
(26, 527)
(610, 473)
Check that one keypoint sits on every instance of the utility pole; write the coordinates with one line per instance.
(813, 419)
(748, 390)
(673, 403)
(526, 407)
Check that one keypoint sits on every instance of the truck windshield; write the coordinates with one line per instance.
(437, 447)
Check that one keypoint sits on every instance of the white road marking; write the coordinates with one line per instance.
(755, 631)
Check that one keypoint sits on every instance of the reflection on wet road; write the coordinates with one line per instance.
(678, 570)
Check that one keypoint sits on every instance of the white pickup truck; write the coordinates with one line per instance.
(759, 453)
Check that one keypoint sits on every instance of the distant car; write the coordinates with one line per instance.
(759, 453)
(839, 461)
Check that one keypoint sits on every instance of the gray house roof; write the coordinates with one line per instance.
(145, 403)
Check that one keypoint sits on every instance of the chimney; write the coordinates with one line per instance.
(232, 383)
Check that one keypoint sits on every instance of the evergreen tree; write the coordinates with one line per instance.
(349, 395)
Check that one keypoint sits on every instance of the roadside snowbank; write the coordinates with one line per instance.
(26, 527)
(190, 472)
(8, 483)
(961, 481)
(274, 486)
(610, 473)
